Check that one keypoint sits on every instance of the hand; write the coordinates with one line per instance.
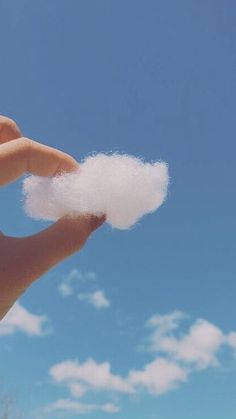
(22, 260)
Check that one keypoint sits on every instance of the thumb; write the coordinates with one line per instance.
(22, 260)
(50, 246)
(34, 255)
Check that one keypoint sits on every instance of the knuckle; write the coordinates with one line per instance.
(8, 122)
(26, 143)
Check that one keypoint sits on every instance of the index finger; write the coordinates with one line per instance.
(24, 155)
(9, 130)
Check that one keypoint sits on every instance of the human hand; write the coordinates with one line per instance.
(22, 260)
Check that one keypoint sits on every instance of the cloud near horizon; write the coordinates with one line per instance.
(90, 375)
(19, 319)
(73, 406)
(198, 347)
(176, 356)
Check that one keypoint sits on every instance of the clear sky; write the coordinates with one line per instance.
(154, 79)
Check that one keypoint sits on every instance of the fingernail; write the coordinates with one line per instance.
(96, 221)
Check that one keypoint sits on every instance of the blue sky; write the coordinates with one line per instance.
(154, 79)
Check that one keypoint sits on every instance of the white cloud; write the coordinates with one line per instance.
(68, 285)
(156, 377)
(159, 376)
(166, 322)
(110, 408)
(198, 347)
(72, 406)
(231, 340)
(178, 354)
(19, 319)
(65, 289)
(97, 299)
(90, 375)
(77, 389)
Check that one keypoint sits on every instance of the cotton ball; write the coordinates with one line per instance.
(122, 187)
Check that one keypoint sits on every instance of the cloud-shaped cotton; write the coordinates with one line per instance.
(121, 186)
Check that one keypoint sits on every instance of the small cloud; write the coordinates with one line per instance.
(156, 377)
(19, 319)
(89, 375)
(231, 340)
(97, 299)
(198, 347)
(77, 389)
(90, 276)
(110, 408)
(177, 354)
(72, 406)
(68, 285)
(159, 376)
(166, 322)
(65, 289)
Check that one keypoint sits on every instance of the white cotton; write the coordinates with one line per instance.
(122, 187)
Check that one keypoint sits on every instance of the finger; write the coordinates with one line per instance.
(8, 130)
(24, 155)
(22, 260)
(52, 245)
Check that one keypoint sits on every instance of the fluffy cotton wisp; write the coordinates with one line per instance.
(122, 187)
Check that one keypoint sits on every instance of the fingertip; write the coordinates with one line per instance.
(67, 165)
(9, 130)
(97, 221)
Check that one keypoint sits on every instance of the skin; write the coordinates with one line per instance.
(23, 260)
